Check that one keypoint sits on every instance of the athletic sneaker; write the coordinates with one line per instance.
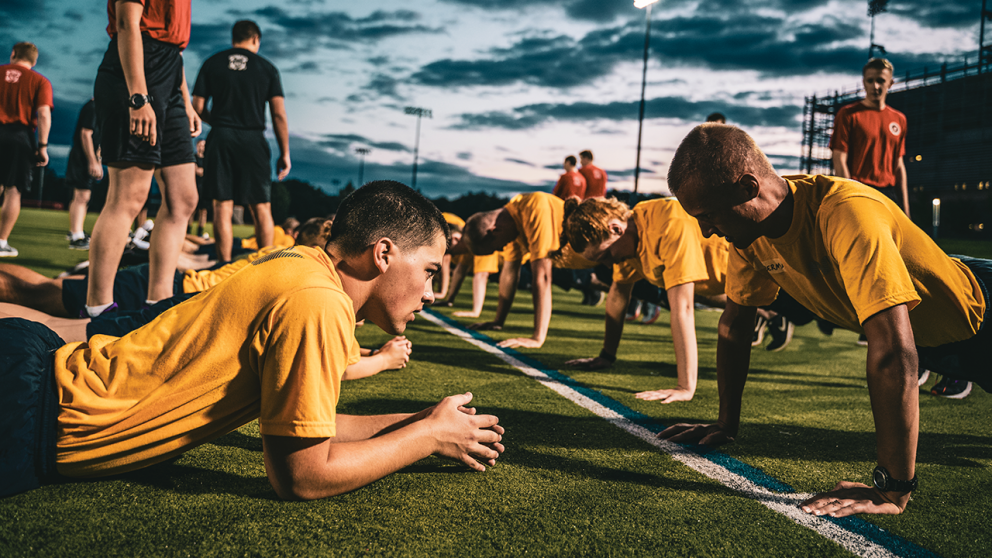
(112, 308)
(922, 376)
(760, 324)
(597, 298)
(7, 251)
(80, 243)
(651, 313)
(825, 327)
(951, 388)
(781, 330)
(634, 310)
(863, 340)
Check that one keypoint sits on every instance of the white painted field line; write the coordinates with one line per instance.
(785, 504)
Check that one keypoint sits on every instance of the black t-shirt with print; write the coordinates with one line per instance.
(239, 82)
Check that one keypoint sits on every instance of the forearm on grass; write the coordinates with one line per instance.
(733, 358)
(682, 304)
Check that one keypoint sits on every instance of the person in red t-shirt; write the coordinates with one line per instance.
(145, 117)
(25, 106)
(869, 139)
(595, 176)
(571, 183)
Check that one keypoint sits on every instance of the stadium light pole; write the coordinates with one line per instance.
(936, 217)
(419, 113)
(363, 151)
(644, 81)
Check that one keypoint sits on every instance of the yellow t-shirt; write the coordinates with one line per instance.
(453, 219)
(671, 250)
(271, 343)
(538, 217)
(851, 253)
(279, 239)
(486, 264)
(195, 281)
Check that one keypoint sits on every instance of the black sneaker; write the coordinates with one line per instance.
(760, 324)
(825, 327)
(863, 340)
(781, 331)
(80, 244)
(951, 388)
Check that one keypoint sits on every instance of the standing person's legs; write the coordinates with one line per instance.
(223, 230)
(11, 210)
(129, 186)
(178, 202)
(261, 213)
(77, 210)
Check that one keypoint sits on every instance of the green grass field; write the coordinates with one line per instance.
(569, 484)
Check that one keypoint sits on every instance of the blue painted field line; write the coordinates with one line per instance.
(890, 544)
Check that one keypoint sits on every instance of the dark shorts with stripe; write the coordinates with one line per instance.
(968, 359)
(130, 290)
(18, 157)
(28, 405)
(237, 166)
(163, 65)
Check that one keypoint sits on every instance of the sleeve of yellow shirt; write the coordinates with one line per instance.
(627, 272)
(541, 231)
(746, 285)
(300, 352)
(863, 239)
(681, 253)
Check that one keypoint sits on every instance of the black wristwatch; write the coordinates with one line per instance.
(138, 100)
(884, 482)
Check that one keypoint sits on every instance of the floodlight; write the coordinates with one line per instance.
(644, 3)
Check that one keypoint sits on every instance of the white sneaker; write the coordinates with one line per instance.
(8, 251)
(148, 225)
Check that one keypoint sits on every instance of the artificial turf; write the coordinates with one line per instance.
(569, 483)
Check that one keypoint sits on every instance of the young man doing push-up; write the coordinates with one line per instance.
(281, 336)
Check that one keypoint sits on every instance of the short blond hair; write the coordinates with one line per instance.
(26, 51)
(716, 154)
(879, 64)
(588, 222)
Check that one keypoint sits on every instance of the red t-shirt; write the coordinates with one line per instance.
(163, 20)
(595, 181)
(22, 92)
(873, 140)
(570, 184)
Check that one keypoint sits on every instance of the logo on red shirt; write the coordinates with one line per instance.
(12, 76)
(894, 128)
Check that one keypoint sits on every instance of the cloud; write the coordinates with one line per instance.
(464, 155)
(527, 163)
(342, 143)
(588, 10)
(530, 116)
(947, 13)
(22, 8)
(380, 85)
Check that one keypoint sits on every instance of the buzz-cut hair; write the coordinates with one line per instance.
(878, 64)
(26, 51)
(571, 160)
(386, 209)
(717, 117)
(716, 154)
(586, 154)
(244, 30)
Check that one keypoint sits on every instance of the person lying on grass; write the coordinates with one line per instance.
(851, 256)
(660, 242)
(65, 297)
(269, 343)
(528, 224)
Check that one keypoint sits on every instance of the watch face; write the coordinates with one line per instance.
(879, 478)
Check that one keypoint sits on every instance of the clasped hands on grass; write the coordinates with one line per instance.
(847, 498)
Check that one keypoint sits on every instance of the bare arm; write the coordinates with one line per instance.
(840, 164)
(394, 354)
(479, 282)
(280, 126)
(733, 359)
(902, 182)
(369, 448)
(44, 126)
(195, 124)
(541, 292)
(132, 53)
(892, 387)
(445, 277)
(682, 304)
(95, 168)
(616, 310)
(508, 279)
(200, 106)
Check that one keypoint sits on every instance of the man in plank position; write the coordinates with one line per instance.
(851, 256)
(281, 336)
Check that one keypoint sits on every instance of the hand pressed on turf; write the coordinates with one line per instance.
(486, 326)
(666, 395)
(524, 342)
(849, 498)
(706, 434)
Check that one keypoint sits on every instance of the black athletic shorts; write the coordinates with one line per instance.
(130, 290)
(237, 166)
(77, 175)
(29, 407)
(968, 359)
(894, 193)
(119, 324)
(18, 156)
(163, 78)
